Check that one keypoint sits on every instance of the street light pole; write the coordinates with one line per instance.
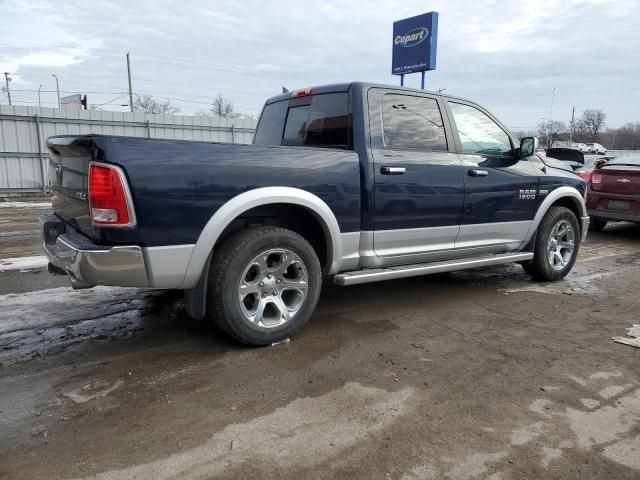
(57, 89)
(39, 88)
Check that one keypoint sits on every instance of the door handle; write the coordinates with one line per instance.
(478, 173)
(393, 170)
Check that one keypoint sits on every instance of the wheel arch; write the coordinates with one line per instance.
(261, 197)
(568, 197)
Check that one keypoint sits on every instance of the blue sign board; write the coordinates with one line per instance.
(415, 42)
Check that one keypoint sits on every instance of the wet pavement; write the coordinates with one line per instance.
(476, 374)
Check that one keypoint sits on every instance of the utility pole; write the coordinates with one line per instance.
(6, 81)
(39, 88)
(130, 89)
(573, 119)
(550, 138)
(57, 89)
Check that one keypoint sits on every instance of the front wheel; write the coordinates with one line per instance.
(264, 285)
(557, 244)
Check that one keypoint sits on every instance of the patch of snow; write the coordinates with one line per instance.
(612, 391)
(92, 391)
(550, 454)
(634, 332)
(25, 204)
(590, 403)
(23, 263)
(574, 284)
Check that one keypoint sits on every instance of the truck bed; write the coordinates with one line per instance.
(176, 186)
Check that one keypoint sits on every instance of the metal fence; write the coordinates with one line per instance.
(24, 131)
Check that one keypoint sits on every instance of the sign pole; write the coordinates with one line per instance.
(402, 80)
(422, 81)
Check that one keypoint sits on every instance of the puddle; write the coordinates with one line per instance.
(37, 329)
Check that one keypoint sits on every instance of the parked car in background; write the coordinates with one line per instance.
(614, 191)
(580, 146)
(596, 148)
(589, 165)
(350, 183)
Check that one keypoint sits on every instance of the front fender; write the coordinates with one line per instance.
(552, 198)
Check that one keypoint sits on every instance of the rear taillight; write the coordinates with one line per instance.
(586, 176)
(109, 198)
(596, 178)
(305, 92)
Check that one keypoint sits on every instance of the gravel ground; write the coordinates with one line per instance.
(477, 374)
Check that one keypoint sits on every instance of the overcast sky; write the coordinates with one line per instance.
(506, 55)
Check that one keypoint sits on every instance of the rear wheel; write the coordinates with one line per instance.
(264, 285)
(556, 247)
(597, 224)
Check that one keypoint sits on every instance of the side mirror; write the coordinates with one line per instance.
(527, 146)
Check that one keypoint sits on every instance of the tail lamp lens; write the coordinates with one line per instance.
(108, 199)
(305, 92)
(596, 178)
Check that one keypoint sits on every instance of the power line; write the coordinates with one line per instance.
(113, 100)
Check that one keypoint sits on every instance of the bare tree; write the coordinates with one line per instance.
(548, 131)
(148, 104)
(223, 108)
(520, 134)
(591, 124)
(626, 137)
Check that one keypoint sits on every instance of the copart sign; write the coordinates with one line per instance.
(415, 44)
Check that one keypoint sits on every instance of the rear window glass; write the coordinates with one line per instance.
(631, 160)
(316, 121)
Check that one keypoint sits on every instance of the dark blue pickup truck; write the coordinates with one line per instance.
(348, 183)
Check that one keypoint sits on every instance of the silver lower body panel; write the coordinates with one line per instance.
(379, 274)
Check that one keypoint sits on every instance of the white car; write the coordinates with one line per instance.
(580, 146)
(596, 148)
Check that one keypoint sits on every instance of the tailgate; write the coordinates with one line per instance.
(68, 179)
(618, 180)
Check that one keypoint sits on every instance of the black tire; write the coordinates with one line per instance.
(540, 267)
(597, 224)
(228, 266)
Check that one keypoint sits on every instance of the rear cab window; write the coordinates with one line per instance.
(320, 120)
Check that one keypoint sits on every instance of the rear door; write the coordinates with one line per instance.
(418, 183)
(501, 189)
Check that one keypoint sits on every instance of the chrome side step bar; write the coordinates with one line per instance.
(390, 273)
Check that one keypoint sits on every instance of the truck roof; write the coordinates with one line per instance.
(346, 86)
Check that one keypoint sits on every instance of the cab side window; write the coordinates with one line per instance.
(412, 123)
(478, 133)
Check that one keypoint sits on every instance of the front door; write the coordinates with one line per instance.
(418, 178)
(500, 188)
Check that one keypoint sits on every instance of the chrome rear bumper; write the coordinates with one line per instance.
(88, 264)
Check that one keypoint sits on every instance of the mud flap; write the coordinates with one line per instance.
(195, 299)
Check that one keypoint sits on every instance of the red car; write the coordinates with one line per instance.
(614, 191)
